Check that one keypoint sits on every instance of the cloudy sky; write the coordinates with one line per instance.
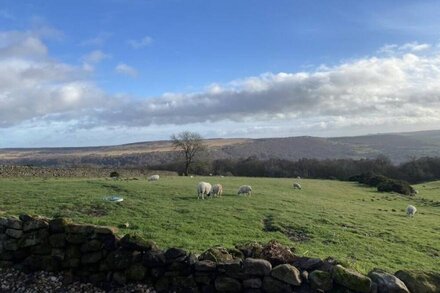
(98, 72)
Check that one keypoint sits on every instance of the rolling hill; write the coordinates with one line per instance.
(399, 147)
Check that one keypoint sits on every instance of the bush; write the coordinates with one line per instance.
(398, 186)
(114, 174)
(376, 180)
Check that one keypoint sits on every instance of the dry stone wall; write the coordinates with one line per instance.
(95, 254)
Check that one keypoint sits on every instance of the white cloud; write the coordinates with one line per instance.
(137, 44)
(413, 47)
(96, 41)
(124, 69)
(390, 92)
(95, 56)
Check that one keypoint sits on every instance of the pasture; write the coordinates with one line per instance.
(352, 223)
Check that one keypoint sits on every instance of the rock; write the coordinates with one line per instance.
(287, 273)
(76, 238)
(119, 278)
(232, 268)
(104, 230)
(136, 272)
(236, 253)
(35, 224)
(73, 251)
(272, 285)
(418, 281)
(254, 283)
(320, 280)
(173, 254)
(119, 259)
(307, 263)
(11, 245)
(387, 283)
(305, 276)
(226, 284)
(12, 223)
(256, 267)
(205, 266)
(351, 279)
(250, 249)
(135, 242)
(14, 233)
(154, 259)
(91, 258)
(58, 225)
(80, 229)
(34, 237)
(216, 254)
(92, 245)
(57, 240)
(58, 254)
(277, 253)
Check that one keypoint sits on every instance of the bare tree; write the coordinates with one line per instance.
(190, 144)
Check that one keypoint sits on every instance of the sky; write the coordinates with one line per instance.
(106, 72)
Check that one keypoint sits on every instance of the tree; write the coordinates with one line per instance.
(190, 144)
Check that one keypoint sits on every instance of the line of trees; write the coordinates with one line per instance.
(414, 171)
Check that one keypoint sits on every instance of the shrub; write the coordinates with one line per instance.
(398, 186)
(114, 174)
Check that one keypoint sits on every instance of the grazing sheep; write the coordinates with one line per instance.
(191, 176)
(245, 189)
(217, 190)
(298, 177)
(296, 185)
(411, 210)
(153, 178)
(204, 188)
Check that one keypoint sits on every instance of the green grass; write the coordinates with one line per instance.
(355, 224)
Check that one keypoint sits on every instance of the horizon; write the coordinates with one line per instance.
(107, 73)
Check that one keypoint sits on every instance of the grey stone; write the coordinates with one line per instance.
(254, 283)
(14, 233)
(57, 240)
(351, 279)
(287, 273)
(256, 267)
(272, 285)
(420, 282)
(226, 284)
(321, 280)
(387, 283)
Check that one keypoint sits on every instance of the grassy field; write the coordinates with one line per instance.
(355, 224)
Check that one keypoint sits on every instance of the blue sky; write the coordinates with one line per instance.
(110, 72)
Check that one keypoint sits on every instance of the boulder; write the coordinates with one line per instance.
(226, 284)
(256, 267)
(250, 249)
(216, 254)
(91, 246)
(12, 223)
(135, 242)
(175, 254)
(277, 253)
(287, 274)
(35, 224)
(272, 285)
(57, 240)
(307, 263)
(351, 279)
(153, 259)
(58, 225)
(91, 257)
(254, 283)
(34, 237)
(205, 266)
(320, 280)
(387, 283)
(13, 233)
(119, 259)
(136, 272)
(418, 281)
(231, 268)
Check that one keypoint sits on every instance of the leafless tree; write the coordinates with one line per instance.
(189, 144)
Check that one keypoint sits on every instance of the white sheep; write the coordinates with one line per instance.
(411, 210)
(203, 188)
(153, 177)
(296, 185)
(245, 189)
(217, 190)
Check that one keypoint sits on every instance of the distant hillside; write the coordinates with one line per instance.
(398, 147)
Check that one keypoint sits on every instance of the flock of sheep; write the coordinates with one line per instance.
(206, 189)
